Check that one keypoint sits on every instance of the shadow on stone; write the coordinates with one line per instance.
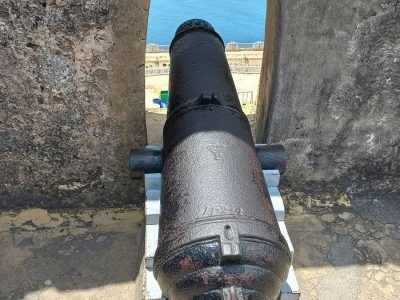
(73, 256)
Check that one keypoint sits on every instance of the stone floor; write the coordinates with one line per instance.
(343, 250)
(341, 253)
(71, 255)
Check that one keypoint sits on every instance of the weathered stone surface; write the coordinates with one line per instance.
(341, 252)
(334, 91)
(71, 101)
(361, 264)
(90, 254)
(378, 199)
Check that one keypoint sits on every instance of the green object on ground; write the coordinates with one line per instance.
(164, 95)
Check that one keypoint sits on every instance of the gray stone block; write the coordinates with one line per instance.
(71, 102)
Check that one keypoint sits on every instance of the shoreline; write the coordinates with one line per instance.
(229, 46)
(243, 58)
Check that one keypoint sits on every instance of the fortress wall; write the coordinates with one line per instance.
(330, 87)
(71, 101)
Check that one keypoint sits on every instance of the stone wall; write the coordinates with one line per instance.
(72, 95)
(330, 87)
(71, 101)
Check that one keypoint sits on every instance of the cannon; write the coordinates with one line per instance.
(218, 237)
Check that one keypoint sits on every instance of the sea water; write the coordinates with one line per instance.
(242, 21)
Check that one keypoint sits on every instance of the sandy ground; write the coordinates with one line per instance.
(155, 117)
(243, 83)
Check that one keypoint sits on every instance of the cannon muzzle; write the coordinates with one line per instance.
(219, 237)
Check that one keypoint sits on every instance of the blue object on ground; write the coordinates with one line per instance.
(162, 103)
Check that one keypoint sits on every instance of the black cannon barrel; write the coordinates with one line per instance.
(219, 237)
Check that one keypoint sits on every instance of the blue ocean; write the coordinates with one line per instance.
(235, 20)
